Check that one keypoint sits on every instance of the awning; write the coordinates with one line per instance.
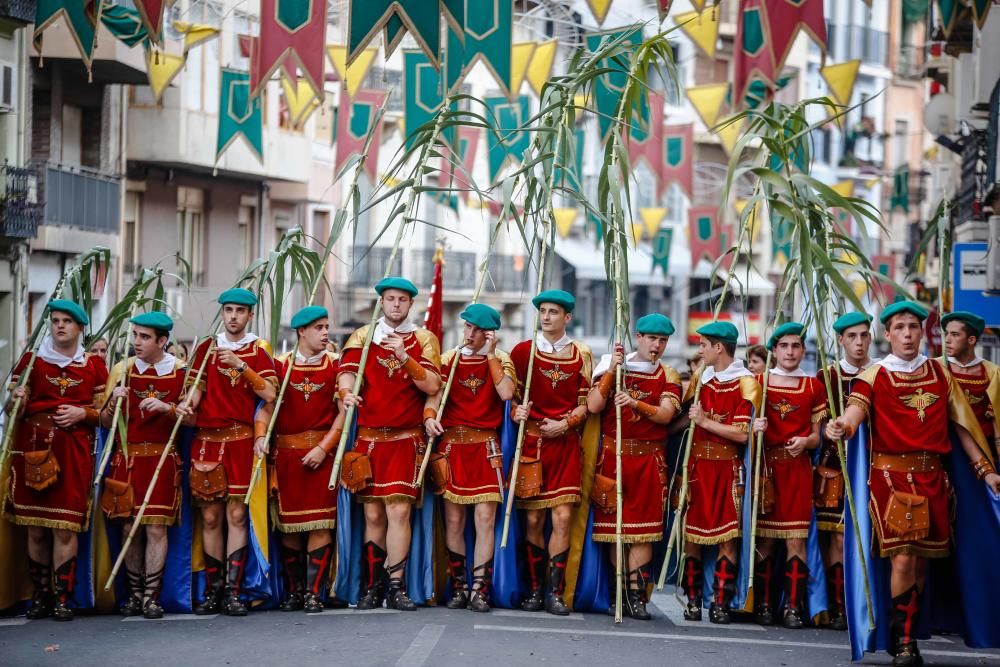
(588, 261)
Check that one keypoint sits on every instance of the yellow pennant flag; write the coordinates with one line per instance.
(708, 100)
(301, 100)
(636, 233)
(599, 8)
(844, 188)
(540, 68)
(754, 220)
(702, 28)
(565, 217)
(354, 75)
(521, 56)
(840, 79)
(729, 134)
(195, 33)
(651, 219)
(161, 69)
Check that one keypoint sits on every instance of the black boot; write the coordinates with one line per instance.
(482, 582)
(317, 576)
(372, 576)
(397, 597)
(554, 603)
(638, 584)
(835, 596)
(796, 590)
(694, 576)
(292, 561)
(151, 608)
(213, 588)
(41, 599)
(232, 605)
(723, 592)
(763, 576)
(65, 583)
(133, 603)
(459, 586)
(903, 629)
(535, 558)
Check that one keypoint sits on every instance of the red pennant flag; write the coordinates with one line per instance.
(726, 242)
(151, 13)
(886, 265)
(354, 119)
(786, 18)
(645, 140)
(703, 234)
(753, 53)
(678, 157)
(292, 30)
(434, 314)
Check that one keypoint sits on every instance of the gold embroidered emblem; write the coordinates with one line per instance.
(232, 373)
(473, 383)
(63, 382)
(972, 398)
(556, 375)
(150, 392)
(636, 393)
(307, 387)
(717, 416)
(920, 400)
(391, 363)
(783, 408)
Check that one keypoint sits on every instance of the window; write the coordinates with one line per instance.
(201, 72)
(130, 232)
(245, 220)
(191, 231)
(901, 143)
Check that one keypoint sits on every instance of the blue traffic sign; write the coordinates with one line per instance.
(969, 283)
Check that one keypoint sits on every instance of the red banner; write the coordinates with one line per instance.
(354, 119)
(435, 312)
(785, 19)
(753, 55)
(294, 30)
(678, 157)
(645, 140)
(703, 234)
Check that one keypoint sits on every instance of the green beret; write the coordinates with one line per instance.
(655, 324)
(722, 331)
(557, 296)
(903, 307)
(70, 308)
(786, 329)
(154, 320)
(308, 315)
(395, 282)
(482, 316)
(238, 296)
(974, 322)
(848, 320)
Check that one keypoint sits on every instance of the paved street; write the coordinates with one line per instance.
(436, 637)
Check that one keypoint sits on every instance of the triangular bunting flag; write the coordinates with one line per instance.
(565, 217)
(599, 8)
(301, 100)
(161, 69)
(366, 18)
(708, 101)
(885, 265)
(663, 8)
(645, 140)
(840, 79)
(786, 18)
(422, 94)
(949, 11)
(678, 157)
(702, 28)
(844, 188)
(353, 76)
(81, 20)
(754, 221)
(781, 241)
(609, 86)
(753, 56)
(703, 234)
(520, 58)
(151, 12)
(195, 33)
(465, 155)
(354, 120)
(661, 250)
(636, 234)
(292, 31)
(453, 12)
(487, 39)
(540, 68)
(124, 24)
(239, 114)
(729, 133)
(651, 219)
(980, 9)
(507, 141)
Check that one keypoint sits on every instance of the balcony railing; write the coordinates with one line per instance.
(459, 270)
(853, 42)
(370, 263)
(22, 11)
(81, 197)
(20, 210)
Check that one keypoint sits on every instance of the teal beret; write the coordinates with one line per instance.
(723, 331)
(238, 296)
(482, 316)
(71, 309)
(903, 307)
(557, 296)
(976, 323)
(848, 320)
(655, 324)
(308, 315)
(786, 329)
(395, 282)
(154, 320)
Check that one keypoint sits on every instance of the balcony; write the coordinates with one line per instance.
(369, 265)
(853, 42)
(80, 198)
(19, 11)
(20, 210)
(114, 61)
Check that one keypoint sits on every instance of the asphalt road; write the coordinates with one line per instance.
(437, 637)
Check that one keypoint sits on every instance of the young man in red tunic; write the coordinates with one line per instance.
(554, 411)
(909, 400)
(153, 387)
(307, 431)
(854, 337)
(979, 379)
(650, 398)
(468, 439)
(716, 476)
(238, 373)
(401, 370)
(51, 461)
(794, 407)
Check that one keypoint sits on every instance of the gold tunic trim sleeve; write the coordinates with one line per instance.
(960, 412)
(751, 391)
(430, 348)
(507, 364)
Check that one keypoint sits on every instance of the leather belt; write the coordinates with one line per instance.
(631, 447)
(46, 420)
(229, 433)
(909, 462)
(466, 434)
(372, 434)
(715, 451)
(146, 448)
(533, 427)
(304, 440)
(779, 454)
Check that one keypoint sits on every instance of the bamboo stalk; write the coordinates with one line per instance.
(109, 444)
(619, 545)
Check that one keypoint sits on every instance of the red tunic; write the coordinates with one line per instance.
(66, 503)
(303, 500)
(391, 400)
(791, 412)
(715, 493)
(644, 476)
(974, 385)
(908, 412)
(473, 403)
(831, 519)
(559, 384)
(146, 436)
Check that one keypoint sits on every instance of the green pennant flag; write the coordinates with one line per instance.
(487, 28)
(594, 222)
(125, 24)
(367, 18)
(422, 94)
(239, 114)
(901, 189)
(949, 10)
(571, 176)
(781, 240)
(608, 87)
(661, 250)
(81, 17)
(507, 139)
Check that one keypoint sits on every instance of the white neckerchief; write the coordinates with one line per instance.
(972, 364)
(467, 351)
(224, 343)
(382, 329)
(780, 372)
(47, 352)
(543, 344)
(162, 367)
(735, 370)
(851, 369)
(631, 364)
(309, 361)
(897, 365)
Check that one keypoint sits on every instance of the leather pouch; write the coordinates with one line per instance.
(828, 487)
(117, 499)
(41, 469)
(529, 478)
(907, 516)
(208, 481)
(603, 494)
(440, 472)
(766, 505)
(355, 471)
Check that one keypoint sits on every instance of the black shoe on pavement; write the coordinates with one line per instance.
(718, 615)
